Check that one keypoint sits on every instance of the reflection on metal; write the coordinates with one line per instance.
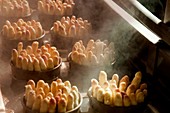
(145, 11)
(2, 106)
(133, 22)
(154, 110)
(167, 12)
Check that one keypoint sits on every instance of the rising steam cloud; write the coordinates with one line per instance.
(109, 25)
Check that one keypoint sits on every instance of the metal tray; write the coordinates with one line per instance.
(47, 76)
(14, 19)
(91, 68)
(102, 108)
(8, 44)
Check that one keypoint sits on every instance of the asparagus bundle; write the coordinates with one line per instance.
(72, 27)
(22, 30)
(34, 58)
(95, 53)
(119, 92)
(14, 8)
(56, 7)
(59, 96)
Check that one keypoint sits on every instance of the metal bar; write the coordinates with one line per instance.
(154, 110)
(2, 106)
(167, 12)
(145, 11)
(151, 21)
(133, 22)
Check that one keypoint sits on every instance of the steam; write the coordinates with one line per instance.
(109, 25)
(106, 24)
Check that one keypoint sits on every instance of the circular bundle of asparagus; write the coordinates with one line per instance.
(56, 7)
(14, 8)
(57, 97)
(95, 53)
(72, 27)
(34, 58)
(117, 92)
(22, 30)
